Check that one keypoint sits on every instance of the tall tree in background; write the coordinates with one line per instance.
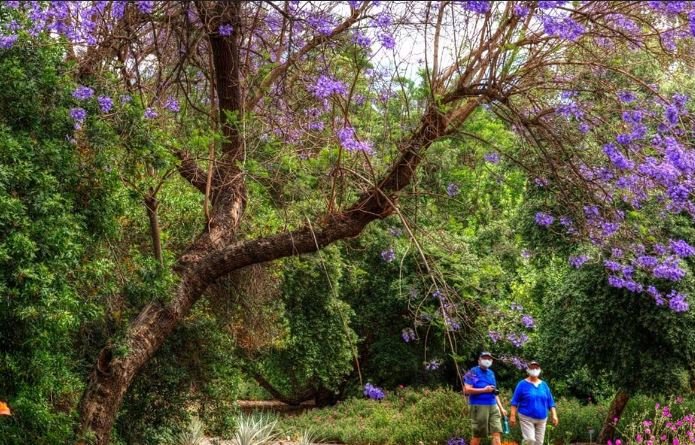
(295, 87)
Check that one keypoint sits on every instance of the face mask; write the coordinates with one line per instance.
(486, 363)
(533, 372)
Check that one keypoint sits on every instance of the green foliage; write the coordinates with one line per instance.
(612, 333)
(405, 417)
(194, 372)
(45, 217)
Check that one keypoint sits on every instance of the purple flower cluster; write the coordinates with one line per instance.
(225, 30)
(544, 219)
(387, 41)
(150, 113)
(452, 190)
(578, 261)
(348, 141)
(78, 115)
(172, 104)
(83, 93)
(373, 392)
(562, 27)
(408, 335)
(477, 6)
(326, 86)
(528, 321)
(492, 157)
(456, 441)
(433, 365)
(517, 340)
(105, 104)
(494, 336)
(388, 255)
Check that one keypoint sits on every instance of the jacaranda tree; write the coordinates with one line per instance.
(279, 102)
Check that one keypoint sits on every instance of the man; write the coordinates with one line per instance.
(484, 402)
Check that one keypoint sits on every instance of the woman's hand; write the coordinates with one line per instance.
(554, 419)
(512, 421)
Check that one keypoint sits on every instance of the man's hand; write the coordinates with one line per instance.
(503, 412)
(489, 388)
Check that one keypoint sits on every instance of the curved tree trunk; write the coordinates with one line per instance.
(614, 412)
(215, 253)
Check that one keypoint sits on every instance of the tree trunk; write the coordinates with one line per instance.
(614, 412)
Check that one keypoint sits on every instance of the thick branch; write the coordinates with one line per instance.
(190, 171)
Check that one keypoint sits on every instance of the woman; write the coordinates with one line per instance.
(533, 399)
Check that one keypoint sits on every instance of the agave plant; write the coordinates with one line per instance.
(255, 430)
(193, 435)
(307, 437)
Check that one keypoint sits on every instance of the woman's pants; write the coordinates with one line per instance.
(532, 430)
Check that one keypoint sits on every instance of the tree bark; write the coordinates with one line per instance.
(151, 204)
(614, 412)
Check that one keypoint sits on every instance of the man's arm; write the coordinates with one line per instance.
(500, 407)
(469, 390)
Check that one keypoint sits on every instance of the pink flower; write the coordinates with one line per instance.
(676, 441)
(638, 438)
(618, 442)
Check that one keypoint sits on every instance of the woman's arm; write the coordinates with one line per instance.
(553, 416)
(512, 416)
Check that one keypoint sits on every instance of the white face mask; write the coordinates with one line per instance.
(533, 372)
(486, 363)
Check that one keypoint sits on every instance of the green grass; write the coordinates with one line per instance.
(404, 417)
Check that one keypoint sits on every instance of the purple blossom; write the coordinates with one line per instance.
(78, 115)
(347, 139)
(225, 30)
(544, 219)
(395, 231)
(172, 104)
(521, 10)
(326, 86)
(125, 99)
(408, 335)
(362, 40)
(456, 441)
(478, 6)
(105, 103)
(516, 307)
(677, 302)
(671, 114)
(388, 255)
(323, 25)
(150, 113)
(387, 41)
(492, 157)
(669, 270)
(383, 20)
(494, 336)
(527, 321)
(646, 262)
(550, 4)
(541, 182)
(562, 27)
(681, 248)
(433, 365)
(83, 93)
(146, 7)
(373, 392)
(584, 128)
(517, 340)
(617, 158)
(525, 254)
(452, 190)
(7, 42)
(578, 261)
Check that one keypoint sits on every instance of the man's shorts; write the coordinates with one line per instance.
(485, 420)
